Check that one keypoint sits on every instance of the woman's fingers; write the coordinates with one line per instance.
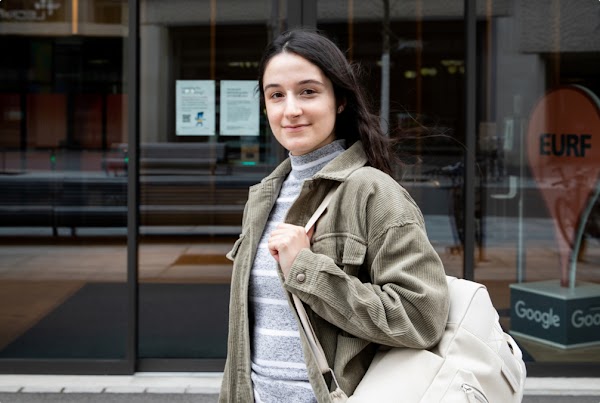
(285, 242)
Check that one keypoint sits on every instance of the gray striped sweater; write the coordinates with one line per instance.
(278, 370)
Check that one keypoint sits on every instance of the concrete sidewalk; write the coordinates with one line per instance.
(204, 387)
(172, 398)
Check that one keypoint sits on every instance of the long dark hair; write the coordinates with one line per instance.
(355, 122)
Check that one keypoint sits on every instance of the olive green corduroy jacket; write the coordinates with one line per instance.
(371, 277)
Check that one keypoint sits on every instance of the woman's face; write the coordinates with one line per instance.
(301, 104)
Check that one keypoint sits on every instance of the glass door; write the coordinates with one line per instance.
(63, 270)
(539, 153)
(204, 141)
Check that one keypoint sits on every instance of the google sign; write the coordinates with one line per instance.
(547, 319)
(560, 316)
(579, 318)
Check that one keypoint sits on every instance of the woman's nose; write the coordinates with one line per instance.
(292, 108)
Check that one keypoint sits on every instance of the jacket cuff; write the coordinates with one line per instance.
(303, 273)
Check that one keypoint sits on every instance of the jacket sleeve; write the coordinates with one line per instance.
(404, 305)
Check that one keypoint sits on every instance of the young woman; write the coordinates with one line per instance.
(367, 274)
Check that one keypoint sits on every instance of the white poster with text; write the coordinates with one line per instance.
(195, 107)
(240, 108)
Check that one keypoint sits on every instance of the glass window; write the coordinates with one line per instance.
(537, 183)
(204, 142)
(62, 215)
(204, 139)
(413, 67)
(538, 161)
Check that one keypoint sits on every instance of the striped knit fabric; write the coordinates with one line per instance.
(278, 370)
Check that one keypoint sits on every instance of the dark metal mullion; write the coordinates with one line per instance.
(309, 13)
(294, 14)
(24, 116)
(301, 14)
(470, 140)
(104, 122)
(133, 112)
(23, 98)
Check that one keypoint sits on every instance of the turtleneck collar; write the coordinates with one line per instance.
(305, 166)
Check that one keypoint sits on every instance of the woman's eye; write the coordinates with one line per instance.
(308, 92)
(276, 95)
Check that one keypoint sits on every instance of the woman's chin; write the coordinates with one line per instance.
(298, 149)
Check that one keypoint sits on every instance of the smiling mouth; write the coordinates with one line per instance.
(294, 127)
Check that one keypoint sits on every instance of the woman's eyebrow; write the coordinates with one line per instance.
(303, 82)
(310, 81)
(271, 86)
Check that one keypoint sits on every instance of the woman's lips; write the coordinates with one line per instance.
(294, 128)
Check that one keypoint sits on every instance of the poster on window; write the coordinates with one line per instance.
(240, 108)
(195, 107)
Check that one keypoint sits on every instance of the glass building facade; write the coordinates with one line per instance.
(130, 132)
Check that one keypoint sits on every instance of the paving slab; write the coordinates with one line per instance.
(105, 398)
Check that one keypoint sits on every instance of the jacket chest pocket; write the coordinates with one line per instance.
(348, 252)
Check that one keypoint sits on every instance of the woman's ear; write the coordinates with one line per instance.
(341, 106)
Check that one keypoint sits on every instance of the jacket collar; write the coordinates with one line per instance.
(338, 170)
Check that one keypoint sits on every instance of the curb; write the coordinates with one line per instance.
(209, 383)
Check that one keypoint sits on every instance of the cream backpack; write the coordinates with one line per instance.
(474, 362)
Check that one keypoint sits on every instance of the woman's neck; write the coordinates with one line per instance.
(305, 166)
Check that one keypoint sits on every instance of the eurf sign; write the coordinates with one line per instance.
(559, 316)
(568, 145)
(563, 148)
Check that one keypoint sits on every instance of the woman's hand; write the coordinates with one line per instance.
(285, 242)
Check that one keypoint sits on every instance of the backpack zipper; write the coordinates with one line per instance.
(473, 394)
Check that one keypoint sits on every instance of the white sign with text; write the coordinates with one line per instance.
(195, 107)
(240, 108)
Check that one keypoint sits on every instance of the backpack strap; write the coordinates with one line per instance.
(313, 342)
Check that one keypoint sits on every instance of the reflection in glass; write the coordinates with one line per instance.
(411, 57)
(62, 217)
(204, 142)
(525, 49)
(534, 190)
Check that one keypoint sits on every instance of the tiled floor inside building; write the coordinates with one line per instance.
(36, 278)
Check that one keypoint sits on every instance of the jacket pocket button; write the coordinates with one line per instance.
(301, 277)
